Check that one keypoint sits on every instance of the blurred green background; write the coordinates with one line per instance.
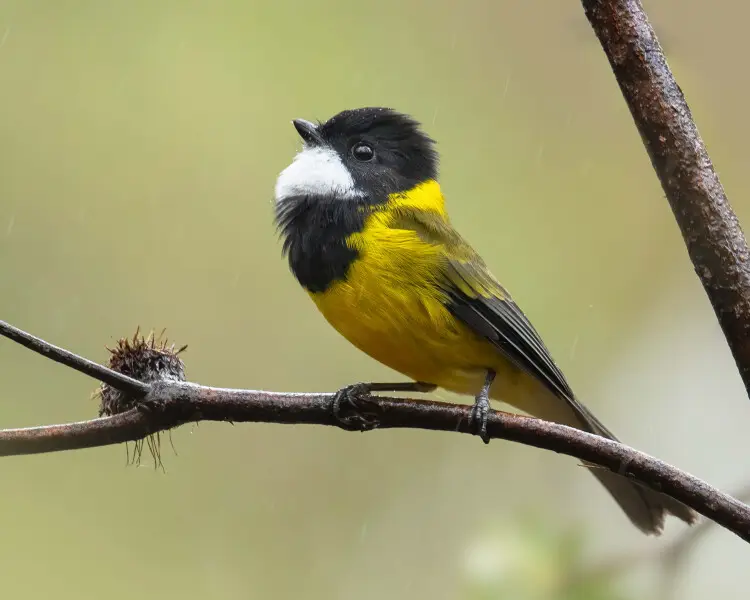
(139, 146)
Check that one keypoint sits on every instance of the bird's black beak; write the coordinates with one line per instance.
(308, 132)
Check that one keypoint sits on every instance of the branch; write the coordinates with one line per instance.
(709, 226)
(168, 404)
(69, 359)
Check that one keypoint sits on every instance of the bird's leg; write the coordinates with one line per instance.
(481, 409)
(357, 394)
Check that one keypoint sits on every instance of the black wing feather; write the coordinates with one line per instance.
(477, 298)
(498, 319)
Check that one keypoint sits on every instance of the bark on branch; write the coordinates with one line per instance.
(709, 226)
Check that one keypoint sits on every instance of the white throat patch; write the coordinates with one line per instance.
(315, 171)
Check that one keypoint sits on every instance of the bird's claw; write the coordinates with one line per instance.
(479, 416)
(348, 405)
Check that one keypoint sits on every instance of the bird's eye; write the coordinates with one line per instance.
(363, 152)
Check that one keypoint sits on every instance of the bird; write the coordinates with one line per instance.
(365, 230)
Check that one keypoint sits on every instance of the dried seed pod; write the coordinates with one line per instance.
(147, 359)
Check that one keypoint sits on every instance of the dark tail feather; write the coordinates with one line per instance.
(646, 508)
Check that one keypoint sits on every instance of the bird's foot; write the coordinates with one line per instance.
(479, 416)
(480, 411)
(349, 403)
(349, 408)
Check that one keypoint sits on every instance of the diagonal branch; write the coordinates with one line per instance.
(69, 359)
(709, 226)
(168, 404)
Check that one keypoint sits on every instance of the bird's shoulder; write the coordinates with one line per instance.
(462, 266)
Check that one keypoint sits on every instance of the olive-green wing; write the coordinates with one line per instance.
(477, 298)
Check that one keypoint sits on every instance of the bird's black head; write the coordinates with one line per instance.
(381, 147)
(366, 152)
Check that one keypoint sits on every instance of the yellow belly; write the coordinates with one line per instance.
(389, 308)
(409, 330)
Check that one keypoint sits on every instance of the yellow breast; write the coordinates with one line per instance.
(391, 307)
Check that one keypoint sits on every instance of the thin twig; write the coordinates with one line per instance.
(169, 404)
(709, 226)
(72, 360)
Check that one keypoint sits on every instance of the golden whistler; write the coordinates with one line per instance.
(367, 234)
